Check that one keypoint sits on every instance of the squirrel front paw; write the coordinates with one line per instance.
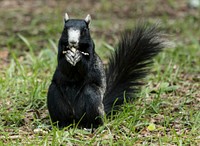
(73, 57)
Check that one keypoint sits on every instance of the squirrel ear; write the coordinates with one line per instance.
(66, 17)
(88, 19)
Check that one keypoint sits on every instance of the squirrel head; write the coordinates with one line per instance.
(75, 43)
(76, 31)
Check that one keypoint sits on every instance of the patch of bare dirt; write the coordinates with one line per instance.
(4, 58)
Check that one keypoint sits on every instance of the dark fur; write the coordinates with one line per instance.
(130, 63)
(79, 93)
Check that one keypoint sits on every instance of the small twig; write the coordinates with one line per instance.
(84, 53)
(11, 137)
(64, 52)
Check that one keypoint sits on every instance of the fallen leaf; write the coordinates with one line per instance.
(151, 127)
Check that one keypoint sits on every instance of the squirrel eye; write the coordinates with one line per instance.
(83, 32)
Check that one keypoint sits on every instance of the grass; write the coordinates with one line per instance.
(167, 112)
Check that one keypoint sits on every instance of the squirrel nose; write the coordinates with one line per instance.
(73, 42)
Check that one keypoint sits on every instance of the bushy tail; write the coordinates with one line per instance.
(130, 63)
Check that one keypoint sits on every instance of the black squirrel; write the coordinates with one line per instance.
(82, 91)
